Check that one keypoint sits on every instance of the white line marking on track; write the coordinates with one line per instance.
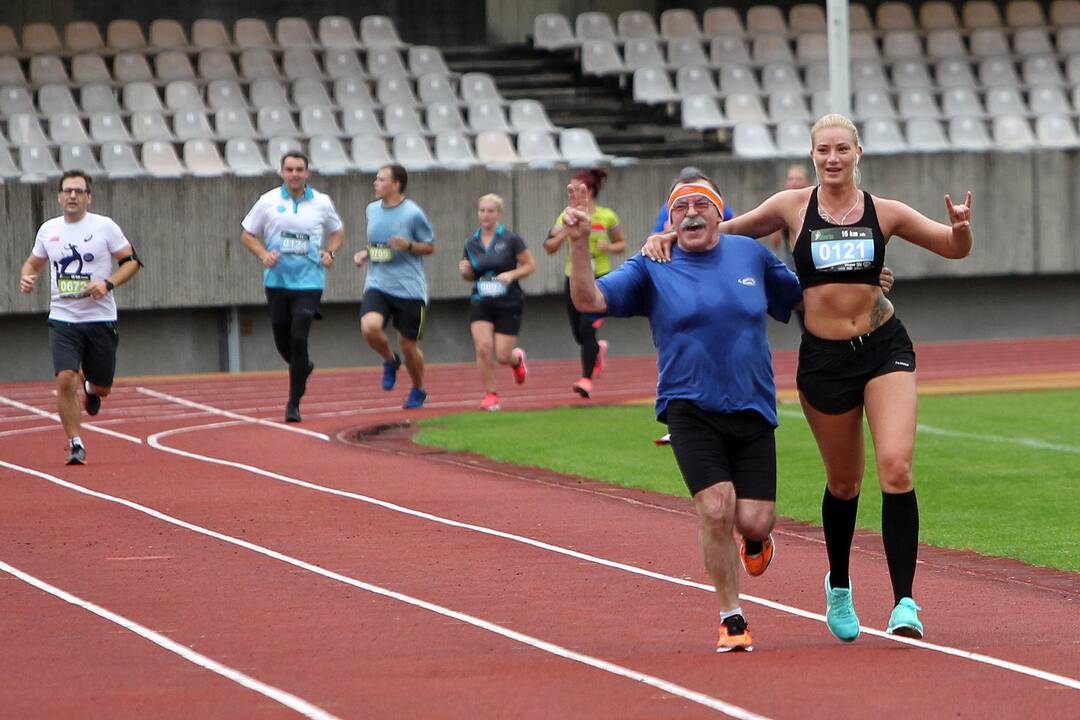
(154, 441)
(287, 699)
(56, 418)
(235, 416)
(671, 688)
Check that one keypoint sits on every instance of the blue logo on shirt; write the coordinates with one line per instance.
(281, 208)
(88, 257)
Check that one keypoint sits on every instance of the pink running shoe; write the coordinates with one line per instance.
(601, 356)
(521, 370)
(490, 402)
(583, 387)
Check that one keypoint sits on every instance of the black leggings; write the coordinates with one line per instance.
(584, 334)
(291, 313)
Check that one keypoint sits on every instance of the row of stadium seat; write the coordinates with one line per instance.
(552, 31)
(244, 156)
(1007, 132)
(376, 31)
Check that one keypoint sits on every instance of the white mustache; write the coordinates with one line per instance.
(692, 223)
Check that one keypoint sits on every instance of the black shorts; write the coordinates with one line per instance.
(408, 314)
(833, 373)
(284, 304)
(504, 314)
(712, 447)
(89, 346)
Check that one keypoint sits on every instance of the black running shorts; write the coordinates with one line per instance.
(833, 373)
(408, 314)
(712, 447)
(90, 347)
(504, 315)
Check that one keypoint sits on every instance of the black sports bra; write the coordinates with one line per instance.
(826, 252)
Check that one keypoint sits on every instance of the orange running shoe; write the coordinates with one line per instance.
(757, 564)
(490, 402)
(598, 366)
(521, 369)
(734, 635)
(583, 387)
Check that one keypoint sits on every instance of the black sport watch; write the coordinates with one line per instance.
(109, 286)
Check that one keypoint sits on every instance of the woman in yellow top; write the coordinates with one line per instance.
(605, 240)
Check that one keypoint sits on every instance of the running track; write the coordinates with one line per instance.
(206, 565)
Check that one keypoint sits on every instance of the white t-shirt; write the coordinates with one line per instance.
(79, 253)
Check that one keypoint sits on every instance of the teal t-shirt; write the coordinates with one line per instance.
(400, 274)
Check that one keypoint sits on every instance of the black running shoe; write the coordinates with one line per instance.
(76, 454)
(92, 402)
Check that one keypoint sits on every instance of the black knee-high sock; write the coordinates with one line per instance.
(838, 520)
(900, 533)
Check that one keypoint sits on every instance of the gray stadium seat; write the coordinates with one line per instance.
(244, 158)
(341, 63)
(551, 31)
(594, 26)
(222, 94)
(1068, 41)
(486, 116)
(1032, 41)
(874, 104)
(895, 16)
(684, 52)
(479, 87)
(328, 156)
(695, 81)
(911, 74)
(192, 125)
(78, 157)
(678, 24)
(966, 133)
(599, 57)
(938, 15)
(119, 161)
(217, 65)
(744, 108)
(579, 147)
(926, 135)
(1024, 14)
(980, 14)
(37, 163)
(132, 67)
(385, 61)
(234, 123)
(452, 151)
(24, 129)
(917, 103)
(318, 121)
(737, 79)
(66, 128)
(149, 125)
(203, 159)
(40, 38)
(141, 96)
(55, 100)
(882, 135)
(961, 102)
(443, 117)
(369, 153)
(337, 33)
(433, 87)
(361, 120)
(641, 53)
(753, 140)
(495, 150)
(425, 59)
(719, 21)
(1005, 101)
(1064, 13)
(400, 119)
(310, 92)
(352, 92)
(1056, 131)
(784, 106)
(820, 103)
(652, 86)
(868, 75)
(725, 49)
(1072, 71)
(537, 147)
(998, 72)
(411, 150)
(173, 65)
(108, 127)
(160, 160)
(390, 89)
(765, 19)
(811, 46)
(1012, 132)
(276, 147)
(258, 64)
(268, 93)
(276, 122)
(125, 35)
(15, 100)
(11, 72)
(294, 32)
(945, 43)
(780, 77)
(806, 17)
(87, 68)
(300, 63)
(1049, 101)
(701, 112)
(902, 45)
(792, 138)
(954, 73)
(1041, 70)
(859, 20)
(771, 47)
(989, 42)
(636, 25)
(48, 70)
(9, 45)
(167, 35)
(252, 33)
(183, 95)
(817, 77)
(378, 31)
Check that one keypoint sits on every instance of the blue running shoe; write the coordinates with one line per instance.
(389, 372)
(415, 400)
(840, 614)
(904, 620)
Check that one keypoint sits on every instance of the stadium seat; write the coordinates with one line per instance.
(15, 100)
(425, 59)
(67, 128)
(300, 63)
(579, 148)
(268, 93)
(234, 123)
(938, 15)
(294, 32)
(385, 61)
(806, 18)
(724, 49)
(149, 125)
(753, 140)
(785, 106)
(49, 70)
(342, 63)
(132, 67)
(1056, 131)
(1005, 101)
(792, 138)
(594, 26)
(108, 127)
(917, 103)
(276, 122)
(173, 65)
(1032, 41)
(998, 72)
(86, 69)
(868, 75)
(486, 116)
(863, 46)
(160, 160)
(1012, 132)
(369, 153)
(318, 121)
(765, 19)
(453, 151)
(1064, 13)
(352, 92)
(361, 120)
(391, 89)
(682, 52)
(599, 57)
(859, 19)
(378, 31)
(894, 15)
(217, 65)
(820, 103)
(310, 92)
(1072, 71)
(203, 159)
(679, 24)
(701, 112)
(37, 163)
(989, 42)
(902, 45)
(529, 115)
(926, 135)
(119, 161)
(817, 77)
(207, 34)
(1024, 14)
(743, 108)
(981, 14)
(961, 102)
(141, 96)
(78, 157)
(444, 117)
(771, 47)
(911, 74)
(882, 135)
(1041, 70)
(636, 25)
(433, 87)
(1049, 101)
(537, 147)
(328, 156)
(495, 150)
(811, 46)
(1068, 41)
(244, 158)
(8, 169)
(399, 119)
(38, 38)
(652, 86)
(639, 53)
(11, 72)
(945, 43)
(166, 35)
(9, 45)
(276, 147)
(252, 33)
(56, 100)
(873, 105)
(479, 87)
(721, 21)
(737, 79)
(337, 33)
(551, 31)
(183, 95)
(780, 77)
(411, 150)
(954, 74)
(695, 81)
(258, 64)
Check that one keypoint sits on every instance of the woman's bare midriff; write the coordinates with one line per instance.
(838, 311)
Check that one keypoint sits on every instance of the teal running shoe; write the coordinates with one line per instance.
(840, 614)
(904, 620)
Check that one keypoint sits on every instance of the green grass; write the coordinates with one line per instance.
(994, 497)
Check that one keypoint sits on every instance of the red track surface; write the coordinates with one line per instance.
(332, 641)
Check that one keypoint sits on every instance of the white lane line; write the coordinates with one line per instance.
(56, 418)
(671, 688)
(235, 416)
(154, 441)
(996, 439)
(276, 694)
(25, 431)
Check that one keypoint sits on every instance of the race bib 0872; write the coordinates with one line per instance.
(842, 249)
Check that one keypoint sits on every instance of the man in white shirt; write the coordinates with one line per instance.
(79, 247)
(294, 231)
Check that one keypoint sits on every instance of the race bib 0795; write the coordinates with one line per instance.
(295, 243)
(380, 253)
(72, 285)
(842, 249)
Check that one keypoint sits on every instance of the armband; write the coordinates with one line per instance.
(133, 256)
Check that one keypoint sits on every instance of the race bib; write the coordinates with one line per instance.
(72, 285)
(490, 288)
(380, 253)
(295, 243)
(842, 249)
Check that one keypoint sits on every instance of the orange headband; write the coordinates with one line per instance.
(696, 189)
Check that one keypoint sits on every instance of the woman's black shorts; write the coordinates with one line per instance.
(713, 447)
(504, 314)
(833, 373)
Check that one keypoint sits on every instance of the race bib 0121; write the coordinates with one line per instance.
(842, 249)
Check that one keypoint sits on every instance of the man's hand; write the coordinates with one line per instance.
(97, 289)
(269, 259)
(658, 247)
(399, 243)
(27, 283)
(360, 258)
(325, 258)
(576, 218)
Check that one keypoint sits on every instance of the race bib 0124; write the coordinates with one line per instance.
(842, 249)
(295, 243)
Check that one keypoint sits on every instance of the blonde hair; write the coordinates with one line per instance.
(492, 197)
(835, 120)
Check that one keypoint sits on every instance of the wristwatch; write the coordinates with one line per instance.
(330, 253)
(109, 286)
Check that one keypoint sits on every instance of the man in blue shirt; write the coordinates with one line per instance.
(399, 236)
(707, 310)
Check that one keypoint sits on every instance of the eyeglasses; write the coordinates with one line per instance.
(700, 205)
(77, 191)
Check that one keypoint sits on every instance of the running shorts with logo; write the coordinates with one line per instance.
(408, 314)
